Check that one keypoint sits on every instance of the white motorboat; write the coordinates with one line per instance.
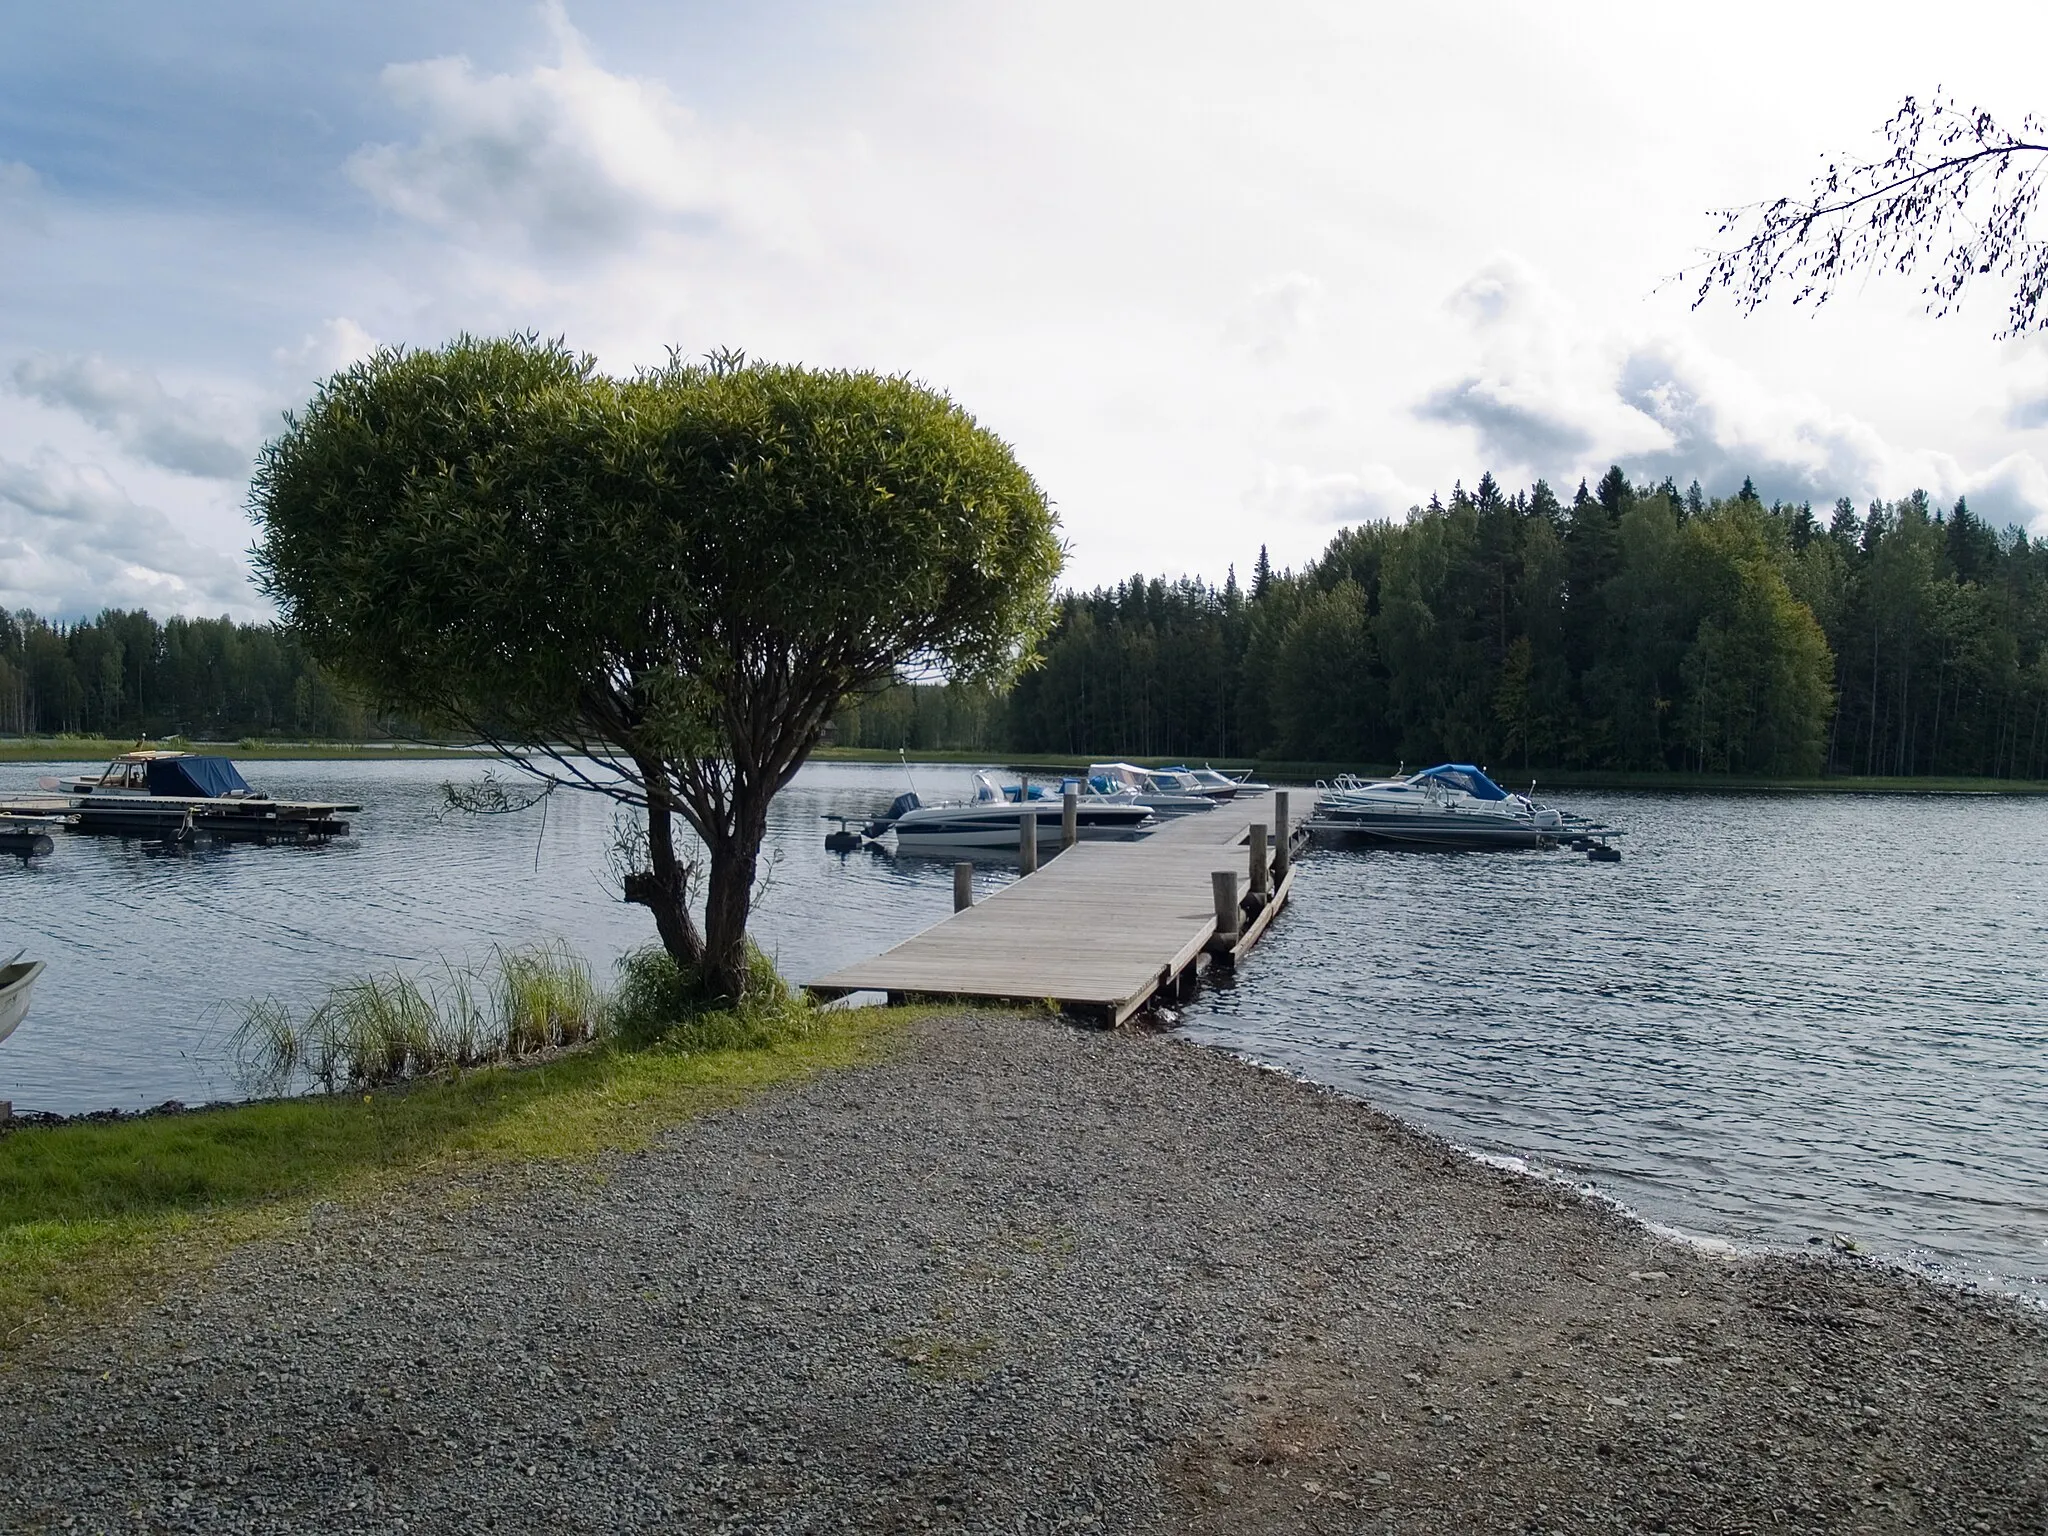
(1453, 805)
(17, 980)
(1167, 791)
(994, 818)
(1219, 785)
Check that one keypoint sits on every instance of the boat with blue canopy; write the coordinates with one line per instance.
(155, 792)
(1453, 805)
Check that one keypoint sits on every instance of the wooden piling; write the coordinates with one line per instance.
(1070, 819)
(1027, 842)
(963, 887)
(1260, 868)
(1283, 851)
(1229, 920)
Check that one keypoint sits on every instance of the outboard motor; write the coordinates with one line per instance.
(900, 807)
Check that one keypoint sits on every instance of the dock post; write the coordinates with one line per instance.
(1283, 853)
(1070, 819)
(1229, 922)
(1027, 842)
(1260, 868)
(963, 887)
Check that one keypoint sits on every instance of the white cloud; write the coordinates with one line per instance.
(1279, 312)
(1557, 395)
(566, 157)
(73, 542)
(336, 343)
(21, 200)
(190, 435)
(2026, 402)
(1293, 494)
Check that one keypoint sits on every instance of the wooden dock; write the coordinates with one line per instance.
(1100, 929)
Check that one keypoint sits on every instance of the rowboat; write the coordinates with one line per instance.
(17, 980)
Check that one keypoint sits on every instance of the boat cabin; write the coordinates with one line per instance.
(185, 774)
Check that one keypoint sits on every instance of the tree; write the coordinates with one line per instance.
(659, 588)
(1956, 192)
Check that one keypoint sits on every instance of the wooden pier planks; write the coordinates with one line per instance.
(1099, 928)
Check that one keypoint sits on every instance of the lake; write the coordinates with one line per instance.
(1779, 1018)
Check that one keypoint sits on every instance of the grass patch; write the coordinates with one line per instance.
(92, 1213)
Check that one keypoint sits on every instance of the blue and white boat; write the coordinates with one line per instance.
(1453, 805)
(1166, 791)
(994, 818)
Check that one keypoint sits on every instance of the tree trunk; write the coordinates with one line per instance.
(664, 889)
(729, 898)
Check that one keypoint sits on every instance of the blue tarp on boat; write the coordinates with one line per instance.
(1466, 777)
(210, 777)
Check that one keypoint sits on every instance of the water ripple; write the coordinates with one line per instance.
(1778, 1017)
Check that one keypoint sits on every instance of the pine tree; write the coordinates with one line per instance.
(1262, 575)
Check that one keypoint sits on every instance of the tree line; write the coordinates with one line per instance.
(1627, 628)
(125, 674)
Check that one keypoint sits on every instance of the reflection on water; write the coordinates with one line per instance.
(150, 951)
(1779, 1017)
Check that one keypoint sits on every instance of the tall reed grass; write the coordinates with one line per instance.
(393, 1027)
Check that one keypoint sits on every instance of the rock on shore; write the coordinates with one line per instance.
(1024, 1278)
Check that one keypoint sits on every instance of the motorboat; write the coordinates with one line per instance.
(994, 818)
(1165, 791)
(1453, 805)
(162, 772)
(17, 980)
(1218, 785)
(183, 794)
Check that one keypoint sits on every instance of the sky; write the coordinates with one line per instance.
(1225, 277)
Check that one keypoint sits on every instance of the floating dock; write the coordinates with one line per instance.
(1102, 928)
(227, 819)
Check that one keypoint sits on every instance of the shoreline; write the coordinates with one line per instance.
(1292, 774)
(1837, 1247)
(1986, 1287)
(1016, 1271)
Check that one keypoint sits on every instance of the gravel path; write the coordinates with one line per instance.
(1024, 1278)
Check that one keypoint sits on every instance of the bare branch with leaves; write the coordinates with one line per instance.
(1954, 198)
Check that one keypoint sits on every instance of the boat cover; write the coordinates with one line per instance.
(1466, 777)
(210, 777)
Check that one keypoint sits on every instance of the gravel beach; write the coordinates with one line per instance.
(1024, 1278)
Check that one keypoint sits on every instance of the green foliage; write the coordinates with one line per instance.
(491, 529)
(1635, 630)
(125, 675)
(659, 1000)
(394, 1027)
(681, 576)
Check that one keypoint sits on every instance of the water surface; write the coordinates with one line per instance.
(1779, 1018)
(150, 952)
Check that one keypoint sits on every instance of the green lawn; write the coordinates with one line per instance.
(92, 1213)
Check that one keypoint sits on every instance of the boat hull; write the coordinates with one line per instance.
(16, 982)
(967, 831)
(1436, 830)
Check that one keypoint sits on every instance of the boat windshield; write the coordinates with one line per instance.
(1463, 777)
(986, 789)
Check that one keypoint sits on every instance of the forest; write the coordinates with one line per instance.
(1626, 629)
(126, 675)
